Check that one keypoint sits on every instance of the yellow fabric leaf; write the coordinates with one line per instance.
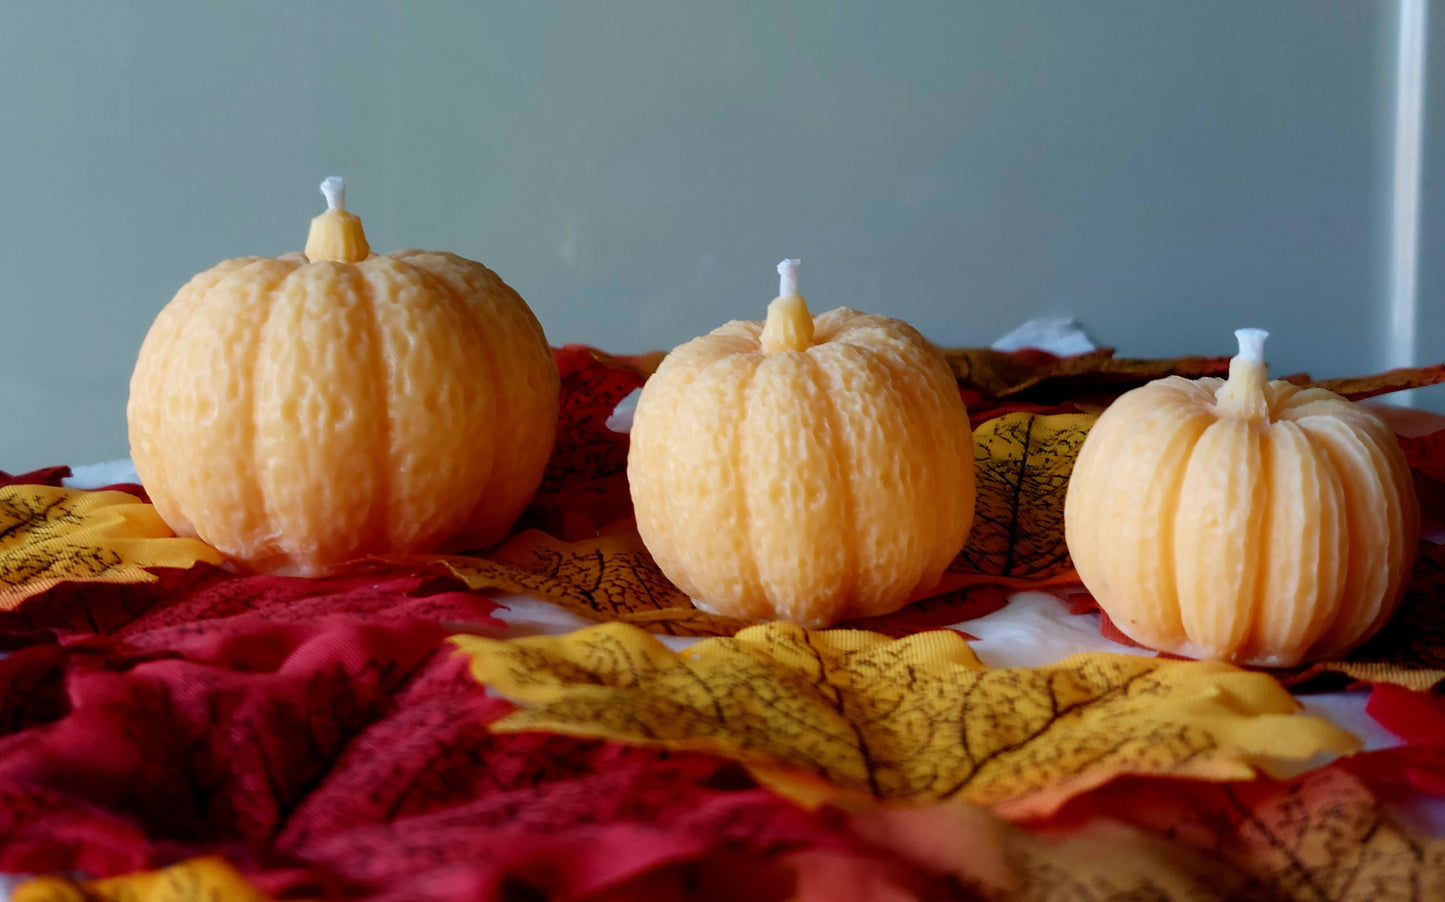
(822, 715)
(197, 880)
(1023, 464)
(53, 535)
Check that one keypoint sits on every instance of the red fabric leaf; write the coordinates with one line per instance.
(1413, 716)
(50, 476)
(1399, 773)
(343, 759)
(203, 599)
(592, 386)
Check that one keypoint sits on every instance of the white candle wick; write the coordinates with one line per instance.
(1251, 344)
(788, 278)
(334, 188)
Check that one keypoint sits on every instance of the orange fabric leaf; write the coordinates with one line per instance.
(820, 715)
(52, 535)
(197, 880)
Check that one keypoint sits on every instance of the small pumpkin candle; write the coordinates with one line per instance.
(803, 468)
(1242, 519)
(300, 412)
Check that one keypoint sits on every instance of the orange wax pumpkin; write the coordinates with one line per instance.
(300, 412)
(807, 469)
(1242, 519)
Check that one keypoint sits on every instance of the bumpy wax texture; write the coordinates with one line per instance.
(296, 415)
(1264, 541)
(811, 485)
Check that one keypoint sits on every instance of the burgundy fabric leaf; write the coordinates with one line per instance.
(586, 450)
(373, 599)
(349, 760)
(203, 599)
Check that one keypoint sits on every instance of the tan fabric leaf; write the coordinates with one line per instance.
(1002, 374)
(1359, 387)
(819, 714)
(610, 578)
(1320, 837)
(1104, 860)
(52, 535)
(1023, 464)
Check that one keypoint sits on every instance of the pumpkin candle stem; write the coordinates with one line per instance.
(1243, 392)
(336, 235)
(789, 326)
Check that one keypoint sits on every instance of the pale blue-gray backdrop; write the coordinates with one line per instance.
(1164, 170)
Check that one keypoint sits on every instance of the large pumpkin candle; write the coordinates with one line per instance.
(1242, 519)
(805, 468)
(300, 412)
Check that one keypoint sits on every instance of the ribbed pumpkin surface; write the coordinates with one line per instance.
(809, 485)
(1265, 541)
(296, 415)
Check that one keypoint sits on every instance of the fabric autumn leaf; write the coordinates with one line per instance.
(348, 761)
(1023, 464)
(989, 378)
(53, 535)
(183, 604)
(1357, 388)
(610, 577)
(915, 719)
(1102, 860)
(198, 880)
(593, 383)
(51, 476)
(1320, 837)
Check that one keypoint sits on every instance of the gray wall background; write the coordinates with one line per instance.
(1164, 171)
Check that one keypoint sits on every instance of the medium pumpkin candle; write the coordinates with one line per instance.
(803, 468)
(300, 412)
(1242, 519)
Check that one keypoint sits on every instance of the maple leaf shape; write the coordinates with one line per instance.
(51, 535)
(818, 713)
(1321, 837)
(1023, 462)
